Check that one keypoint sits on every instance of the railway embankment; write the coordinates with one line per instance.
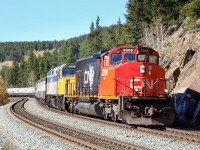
(147, 140)
(181, 57)
(15, 135)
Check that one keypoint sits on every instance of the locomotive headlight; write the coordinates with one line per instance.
(142, 68)
(166, 90)
(136, 89)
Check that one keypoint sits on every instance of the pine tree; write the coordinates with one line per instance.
(97, 23)
(92, 27)
(93, 41)
(15, 73)
(132, 31)
(119, 33)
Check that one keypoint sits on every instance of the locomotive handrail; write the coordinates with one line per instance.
(144, 84)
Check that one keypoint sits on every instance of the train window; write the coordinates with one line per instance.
(153, 59)
(115, 58)
(68, 72)
(142, 57)
(129, 57)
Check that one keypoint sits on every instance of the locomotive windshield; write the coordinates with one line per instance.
(68, 72)
(146, 58)
(115, 58)
(153, 59)
(142, 57)
(129, 57)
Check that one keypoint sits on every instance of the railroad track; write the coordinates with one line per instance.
(169, 132)
(74, 135)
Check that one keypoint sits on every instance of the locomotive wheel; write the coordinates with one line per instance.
(75, 111)
(71, 108)
(113, 116)
(63, 105)
(106, 115)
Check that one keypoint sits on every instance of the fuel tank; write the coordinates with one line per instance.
(90, 109)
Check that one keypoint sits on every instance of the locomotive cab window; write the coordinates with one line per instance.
(153, 59)
(67, 72)
(116, 58)
(129, 57)
(142, 57)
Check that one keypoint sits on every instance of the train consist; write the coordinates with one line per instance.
(28, 91)
(125, 83)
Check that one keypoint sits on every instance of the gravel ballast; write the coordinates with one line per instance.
(135, 137)
(17, 136)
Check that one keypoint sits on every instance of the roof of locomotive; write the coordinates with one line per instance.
(104, 52)
(95, 55)
(136, 48)
(60, 67)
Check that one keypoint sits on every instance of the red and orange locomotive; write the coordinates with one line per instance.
(125, 83)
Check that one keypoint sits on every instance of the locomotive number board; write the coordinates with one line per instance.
(72, 66)
(144, 50)
(128, 50)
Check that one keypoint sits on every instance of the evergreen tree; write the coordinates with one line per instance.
(72, 50)
(97, 23)
(119, 33)
(93, 42)
(23, 75)
(132, 31)
(92, 27)
(15, 74)
(54, 59)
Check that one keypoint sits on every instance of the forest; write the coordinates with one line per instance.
(148, 22)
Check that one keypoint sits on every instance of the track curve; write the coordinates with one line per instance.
(79, 137)
(169, 132)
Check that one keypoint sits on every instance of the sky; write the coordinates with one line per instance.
(30, 20)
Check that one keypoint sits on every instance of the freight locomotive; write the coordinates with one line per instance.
(125, 83)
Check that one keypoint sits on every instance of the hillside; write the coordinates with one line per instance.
(6, 63)
(180, 57)
(9, 63)
(147, 24)
(17, 50)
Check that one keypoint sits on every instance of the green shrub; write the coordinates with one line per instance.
(192, 11)
(3, 92)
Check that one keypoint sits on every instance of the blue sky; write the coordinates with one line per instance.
(29, 20)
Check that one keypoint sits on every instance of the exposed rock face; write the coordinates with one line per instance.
(181, 58)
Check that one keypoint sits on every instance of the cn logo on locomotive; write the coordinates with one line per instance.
(89, 76)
